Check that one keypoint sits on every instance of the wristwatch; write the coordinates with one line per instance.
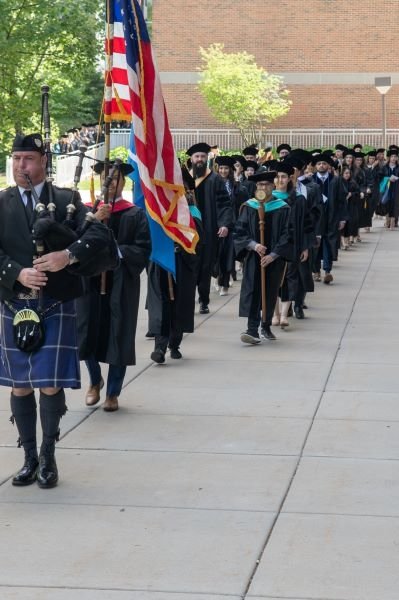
(71, 257)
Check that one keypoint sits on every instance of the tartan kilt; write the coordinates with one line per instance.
(55, 364)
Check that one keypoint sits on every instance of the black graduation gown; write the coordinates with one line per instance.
(361, 180)
(334, 210)
(278, 241)
(391, 208)
(161, 309)
(225, 260)
(299, 275)
(107, 324)
(214, 204)
(354, 207)
(371, 199)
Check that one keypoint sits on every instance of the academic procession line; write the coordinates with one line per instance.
(283, 453)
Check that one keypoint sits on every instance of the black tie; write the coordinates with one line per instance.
(29, 205)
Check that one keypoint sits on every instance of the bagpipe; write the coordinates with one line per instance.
(52, 235)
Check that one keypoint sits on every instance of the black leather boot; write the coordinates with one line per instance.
(23, 409)
(52, 408)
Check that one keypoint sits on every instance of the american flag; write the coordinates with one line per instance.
(133, 92)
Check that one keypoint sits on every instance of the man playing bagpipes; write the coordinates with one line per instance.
(41, 260)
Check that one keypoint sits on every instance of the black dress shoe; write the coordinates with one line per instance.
(267, 333)
(150, 335)
(47, 475)
(175, 353)
(158, 356)
(204, 310)
(304, 306)
(299, 312)
(27, 475)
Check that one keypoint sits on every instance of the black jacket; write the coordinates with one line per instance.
(17, 247)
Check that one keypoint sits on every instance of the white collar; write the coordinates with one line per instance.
(38, 189)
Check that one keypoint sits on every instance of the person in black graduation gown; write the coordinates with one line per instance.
(360, 178)
(352, 194)
(390, 173)
(334, 216)
(298, 279)
(272, 255)
(214, 204)
(238, 194)
(172, 314)
(372, 187)
(107, 323)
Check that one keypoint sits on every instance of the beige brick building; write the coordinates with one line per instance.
(328, 51)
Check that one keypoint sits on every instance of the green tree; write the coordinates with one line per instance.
(53, 42)
(241, 94)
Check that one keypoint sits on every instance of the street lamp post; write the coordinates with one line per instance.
(383, 85)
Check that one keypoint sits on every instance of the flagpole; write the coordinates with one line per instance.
(107, 132)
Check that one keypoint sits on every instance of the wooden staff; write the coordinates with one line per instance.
(260, 196)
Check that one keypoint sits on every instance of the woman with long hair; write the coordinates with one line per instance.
(352, 194)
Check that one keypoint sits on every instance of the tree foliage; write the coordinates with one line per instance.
(53, 42)
(239, 93)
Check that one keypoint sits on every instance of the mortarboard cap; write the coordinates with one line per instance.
(225, 161)
(263, 176)
(283, 147)
(124, 167)
(201, 147)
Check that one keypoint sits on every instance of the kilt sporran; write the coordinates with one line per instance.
(29, 327)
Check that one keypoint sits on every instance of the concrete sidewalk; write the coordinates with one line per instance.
(238, 472)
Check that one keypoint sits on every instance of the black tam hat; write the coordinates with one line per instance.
(253, 164)
(371, 153)
(323, 158)
(393, 152)
(341, 147)
(263, 176)
(380, 150)
(240, 159)
(250, 151)
(201, 147)
(225, 161)
(285, 167)
(295, 161)
(33, 142)
(304, 155)
(357, 147)
(283, 147)
(349, 152)
(124, 167)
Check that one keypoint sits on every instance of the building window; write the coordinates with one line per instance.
(147, 11)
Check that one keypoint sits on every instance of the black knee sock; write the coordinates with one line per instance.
(52, 408)
(23, 414)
